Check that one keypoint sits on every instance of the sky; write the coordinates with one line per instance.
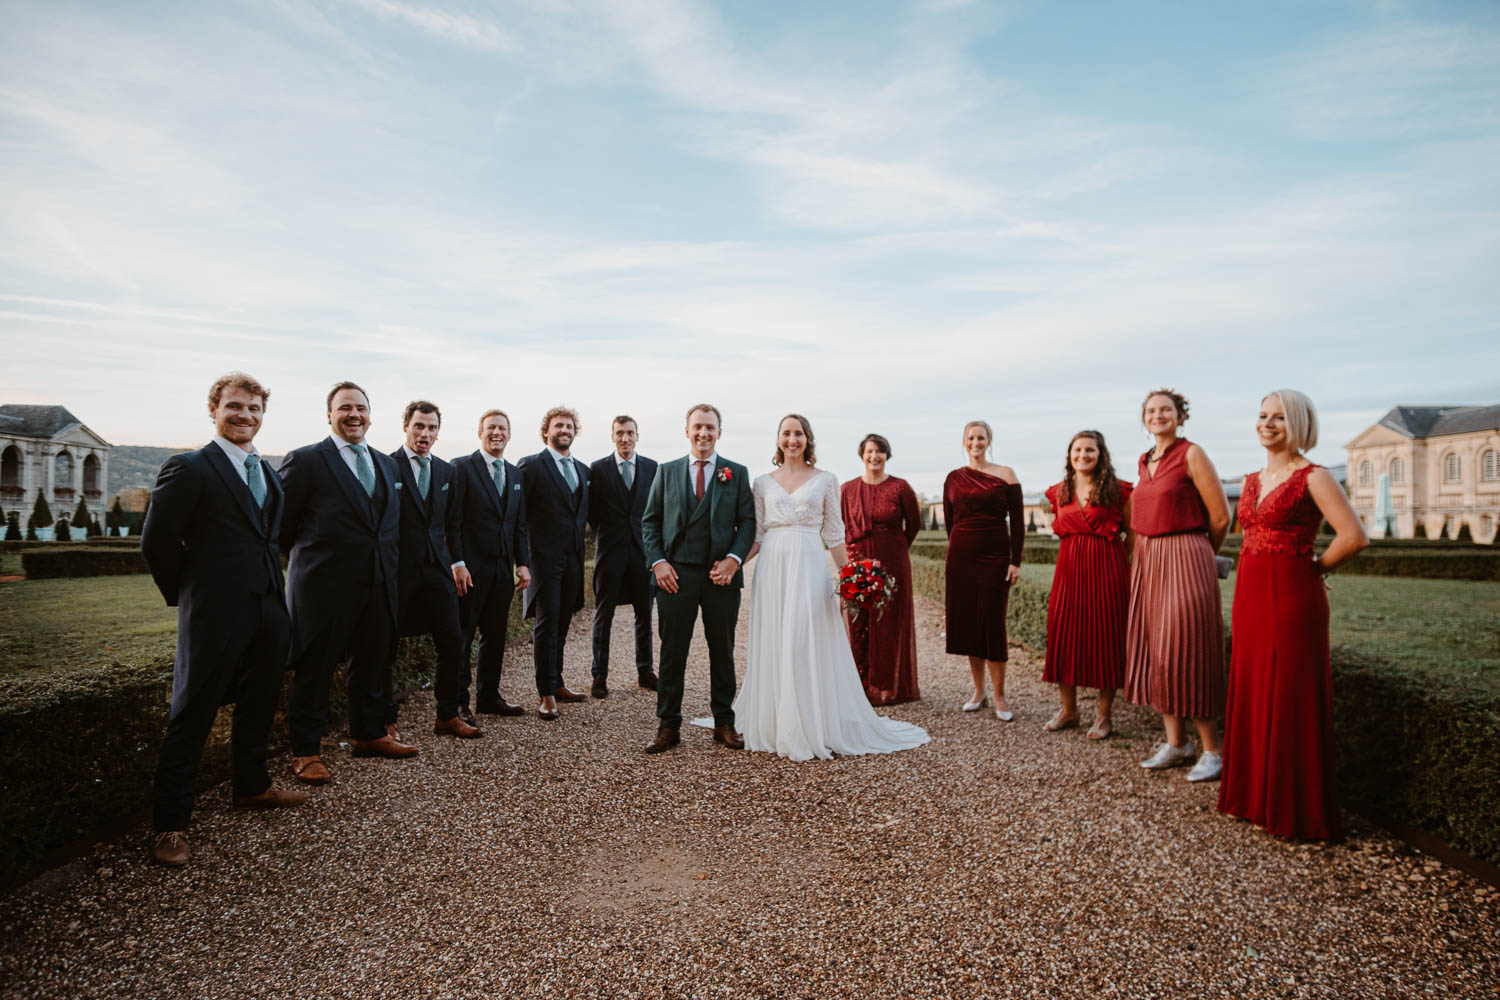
(888, 216)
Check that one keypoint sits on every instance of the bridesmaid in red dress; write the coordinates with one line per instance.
(1278, 729)
(881, 520)
(1174, 630)
(984, 559)
(1091, 586)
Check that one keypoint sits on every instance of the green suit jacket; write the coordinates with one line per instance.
(671, 506)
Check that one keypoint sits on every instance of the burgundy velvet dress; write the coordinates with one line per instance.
(976, 507)
(1278, 726)
(1090, 593)
(881, 522)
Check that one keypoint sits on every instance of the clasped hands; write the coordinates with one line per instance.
(465, 582)
(721, 574)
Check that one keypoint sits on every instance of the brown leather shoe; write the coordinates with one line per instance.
(563, 694)
(386, 746)
(665, 740)
(457, 727)
(311, 770)
(170, 848)
(271, 798)
(727, 736)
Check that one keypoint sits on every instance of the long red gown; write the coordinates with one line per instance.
(976, 506)
(881, 522)
(1278, 726)
(1090, 594)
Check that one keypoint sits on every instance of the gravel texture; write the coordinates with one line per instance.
(558, 860)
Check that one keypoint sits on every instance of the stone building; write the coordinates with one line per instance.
(1442, 464)
(48, 450)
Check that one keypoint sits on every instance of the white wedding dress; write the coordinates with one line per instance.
(802, 697)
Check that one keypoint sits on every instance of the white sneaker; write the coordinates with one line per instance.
(1209, 766)
(1169, 756)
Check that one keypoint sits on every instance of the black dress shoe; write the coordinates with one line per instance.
(467, 716)
(600, 689)
(496, 705)
(648, 681)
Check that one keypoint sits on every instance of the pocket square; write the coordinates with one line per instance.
(399, 485)
(516, 486)
(445, 486)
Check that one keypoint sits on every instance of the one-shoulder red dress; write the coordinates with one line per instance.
(976, 507)
(1278, 726)
(1090, 592)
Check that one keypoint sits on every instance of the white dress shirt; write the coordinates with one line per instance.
(236, 456)
(416, 463)
(561, 459)
(620, 464)
(351, 459)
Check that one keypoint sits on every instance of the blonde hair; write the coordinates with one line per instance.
(1301, 419)
(493, 413)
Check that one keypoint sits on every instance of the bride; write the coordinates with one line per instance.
(801, 697)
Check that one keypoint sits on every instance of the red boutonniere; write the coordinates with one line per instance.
(724, 475)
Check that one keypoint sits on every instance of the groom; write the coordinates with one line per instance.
(698, 528)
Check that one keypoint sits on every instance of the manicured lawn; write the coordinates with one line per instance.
(10, 563)
(1446, 628)
(50, 624)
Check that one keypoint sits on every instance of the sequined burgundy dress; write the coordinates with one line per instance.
(1278, 726)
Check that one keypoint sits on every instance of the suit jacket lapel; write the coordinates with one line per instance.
(348, 482)
(550, 463)
(403, 470)
(486, 473)
(235, 484)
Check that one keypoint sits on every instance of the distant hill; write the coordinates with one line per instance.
(136, 466)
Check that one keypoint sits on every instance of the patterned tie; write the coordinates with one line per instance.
(424, 474)
(255, 479)
(699, 488)
(627, 469)
(363, 469)
(499, 475)
(569, 474)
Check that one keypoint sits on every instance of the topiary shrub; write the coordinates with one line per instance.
(41, 514)
(81, 512)
(115, 517)
(63, 534)
(48, 563)
(1464, 534)
(13, 527)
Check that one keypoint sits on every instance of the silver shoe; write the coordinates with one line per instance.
(1169, 756)
(1004, 715)
(974, 706)
(1210, 765)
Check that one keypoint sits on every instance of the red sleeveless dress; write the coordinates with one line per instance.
(1090, 592)
(1278, 726)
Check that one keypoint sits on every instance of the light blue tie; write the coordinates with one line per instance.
(569, 474)
(500, 477)
(628, 468)
(255, 479)
(424, 475)
(363, 469)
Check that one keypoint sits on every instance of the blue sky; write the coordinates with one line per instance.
(891, 217)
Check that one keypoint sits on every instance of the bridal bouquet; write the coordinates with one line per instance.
(864, 585)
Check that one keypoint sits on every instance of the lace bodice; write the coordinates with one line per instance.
(1285, 523)
(814, 504)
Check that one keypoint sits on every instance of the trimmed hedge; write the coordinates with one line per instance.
(1411, 748)
(82, 560)
(10, 545)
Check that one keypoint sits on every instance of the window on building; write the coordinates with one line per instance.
(1452, 468)
(1486, 522)
(1398, 470)
(62, 470)
(1489, 465)
(1364, 473)
(10, 467)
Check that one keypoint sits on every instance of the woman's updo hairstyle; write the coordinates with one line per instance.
(1178, 400)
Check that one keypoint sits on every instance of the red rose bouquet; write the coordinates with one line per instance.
(864, 585)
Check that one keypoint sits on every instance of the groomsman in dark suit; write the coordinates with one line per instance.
(491, 558)
(618, 485)
(210, 542)
(427, 597)
(557, 508)
(342, 527)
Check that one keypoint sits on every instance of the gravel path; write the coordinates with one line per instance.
(558, 860)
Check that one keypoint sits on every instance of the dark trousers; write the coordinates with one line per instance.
(252, 636)
(678, 613)
(549, 628)
(486, 607)
(360, 628)
(431, 608)
(635, 588)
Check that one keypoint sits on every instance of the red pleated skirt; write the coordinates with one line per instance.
(1278, 726)
(1174, 631)
(1086, 613)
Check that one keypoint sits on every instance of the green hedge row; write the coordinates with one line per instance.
(1410, 748)
(1425, 561)
(101, 542)
(82, 560)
